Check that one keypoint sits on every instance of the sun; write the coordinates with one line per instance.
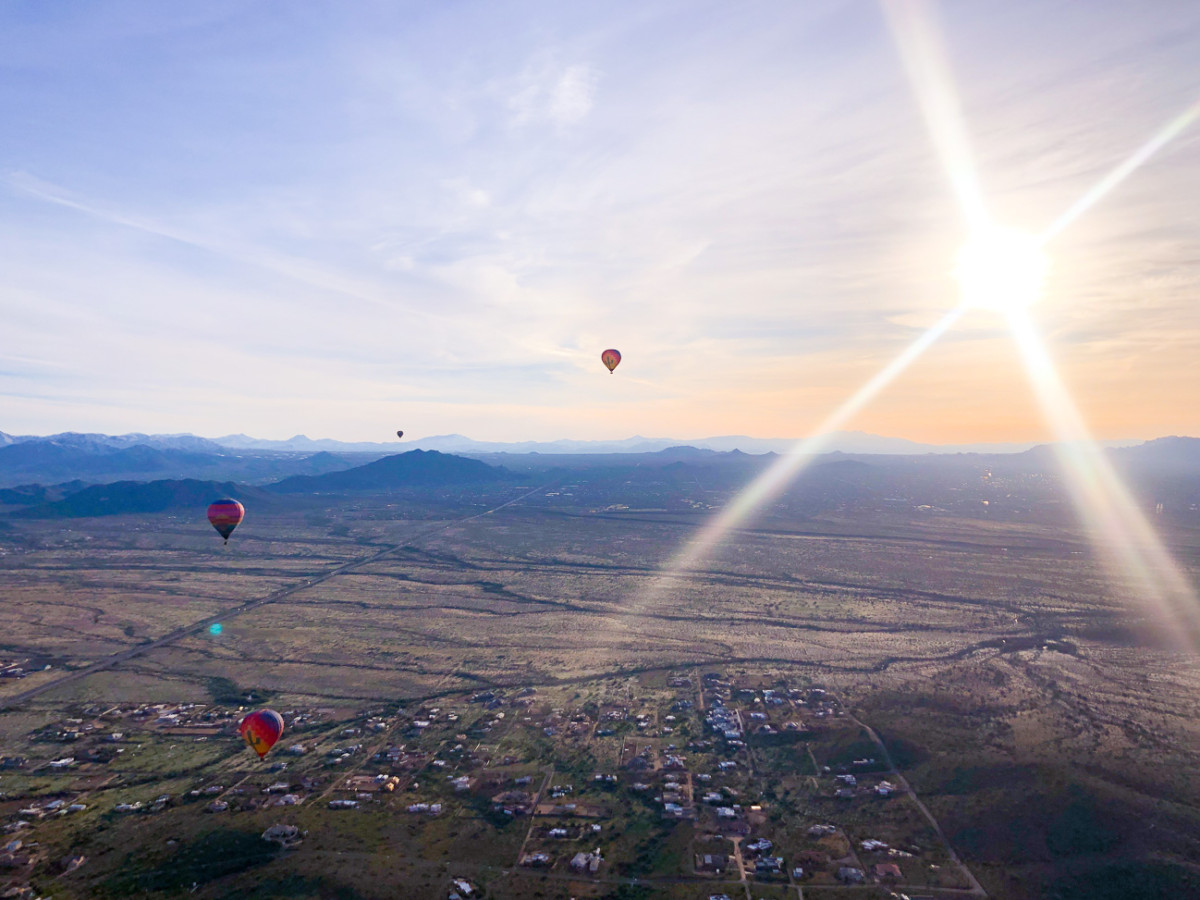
(1001, 269)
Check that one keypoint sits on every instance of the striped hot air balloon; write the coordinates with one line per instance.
(261, 729)
(611, 358)
(226, 515)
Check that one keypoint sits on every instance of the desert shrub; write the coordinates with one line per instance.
(212, 855)
(1119, 881)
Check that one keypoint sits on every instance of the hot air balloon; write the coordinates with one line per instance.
(399, 434)
(261, 729)
(611, 358)
(226, 515)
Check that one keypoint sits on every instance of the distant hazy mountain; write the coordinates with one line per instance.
(1174, 452)
(98, 458)
(147, 497)
(303, 444)
(417, 468)
(844, 441)
(30, 494)
(95, 442)
(82, 457)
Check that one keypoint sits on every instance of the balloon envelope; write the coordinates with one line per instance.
(261, 729)
(226, 515)
(399, 434)
(611, 358)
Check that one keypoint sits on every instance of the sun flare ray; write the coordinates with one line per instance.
(772, 482)
(916, 36)
(1123, 538)
(999, 270)
(1135, 161)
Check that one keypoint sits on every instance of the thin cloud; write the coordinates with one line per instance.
(553, 93)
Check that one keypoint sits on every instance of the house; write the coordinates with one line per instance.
(587, 862)
(888, 872)
(285, 836)
(850, 875)
(769, 865)
(757, 846)
(538, 859)
(711, 862)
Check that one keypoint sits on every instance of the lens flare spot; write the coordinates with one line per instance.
(215, 628)
(1001, 269)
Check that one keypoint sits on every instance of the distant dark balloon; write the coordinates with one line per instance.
(261, 729)
(226, 515)
(399, 434)
(611, 358)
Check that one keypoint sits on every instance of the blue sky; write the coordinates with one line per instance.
(340, 219)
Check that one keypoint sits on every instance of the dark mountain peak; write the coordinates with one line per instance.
(685, 450)
(416, 468)
(1173, 452)
(1171, 444)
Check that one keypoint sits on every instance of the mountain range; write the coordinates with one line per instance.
(1164, 469)
(843, 441)
(414, 469)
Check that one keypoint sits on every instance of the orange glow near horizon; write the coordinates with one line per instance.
(1002, 271)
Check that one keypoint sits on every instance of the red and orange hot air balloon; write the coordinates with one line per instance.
(261, 729)
(226, 515)
(611, 358)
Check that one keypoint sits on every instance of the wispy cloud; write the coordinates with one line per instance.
(462, 206)
(551, 92)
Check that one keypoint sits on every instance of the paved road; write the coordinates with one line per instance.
(171, 637)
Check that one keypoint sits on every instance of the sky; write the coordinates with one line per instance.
(342, 219)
